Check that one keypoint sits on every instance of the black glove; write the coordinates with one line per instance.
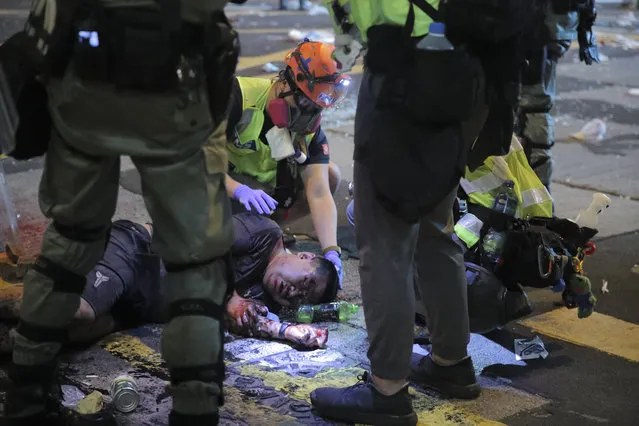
(588, 51)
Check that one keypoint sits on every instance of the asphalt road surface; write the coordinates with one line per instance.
(591, 375)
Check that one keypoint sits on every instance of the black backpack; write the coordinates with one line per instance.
(485, 21)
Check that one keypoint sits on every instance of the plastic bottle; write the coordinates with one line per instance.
(335, 312)
(435, 39)
(506, 202)
(589, 217)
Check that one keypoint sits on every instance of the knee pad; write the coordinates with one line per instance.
(211, 373)
(64, 281)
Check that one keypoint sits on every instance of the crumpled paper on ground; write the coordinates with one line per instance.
(530, 349)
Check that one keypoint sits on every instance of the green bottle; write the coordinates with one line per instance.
(335, 312)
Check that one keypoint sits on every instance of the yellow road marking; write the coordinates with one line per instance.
(357, 69)
(253, 61)
(599, 331)
(139, 355)
(430, 411)
(14, 12)
(277, 30)
(259, 13)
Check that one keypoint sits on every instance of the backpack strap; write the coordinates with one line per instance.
(425, 7)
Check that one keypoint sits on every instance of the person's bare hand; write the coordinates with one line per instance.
(243, 313)
(307, 335)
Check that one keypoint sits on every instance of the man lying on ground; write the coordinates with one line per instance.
(123, 290)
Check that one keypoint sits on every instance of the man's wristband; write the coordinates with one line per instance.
(283, 327)
(332, 248)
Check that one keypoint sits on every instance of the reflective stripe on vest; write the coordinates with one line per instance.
(481, 185)
(468, 229)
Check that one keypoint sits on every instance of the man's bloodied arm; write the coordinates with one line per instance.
(247, 318)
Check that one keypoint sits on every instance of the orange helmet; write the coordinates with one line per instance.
(314, 71)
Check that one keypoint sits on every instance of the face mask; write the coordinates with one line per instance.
(294, 119)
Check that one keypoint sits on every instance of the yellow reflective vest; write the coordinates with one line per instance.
(248, 154)
(367, 13)
(483, 184)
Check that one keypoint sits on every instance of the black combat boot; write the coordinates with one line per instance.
(455, 381)
(363, 403)
(41, 404)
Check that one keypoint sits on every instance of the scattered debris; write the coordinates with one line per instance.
(530, 349)
(594, 130)
(633, 92)
(71, 395)
(314, 35)
(270, 67)
(317, 10)
(90, 404)
(604, 287)
(626, 19)
(635, 269)
(617, 40)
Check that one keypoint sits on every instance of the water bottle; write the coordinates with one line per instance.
(589, 217)
(436, 38)
(505, 202)
(335, 312)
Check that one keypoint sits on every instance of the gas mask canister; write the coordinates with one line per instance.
(304, 119)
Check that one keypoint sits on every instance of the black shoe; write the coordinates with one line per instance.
(455, 381)
(40, 404)
(362, 403)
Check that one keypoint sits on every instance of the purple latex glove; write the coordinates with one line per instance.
(260, 200)
(333, 256)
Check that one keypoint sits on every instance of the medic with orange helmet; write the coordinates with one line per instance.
(279, 159)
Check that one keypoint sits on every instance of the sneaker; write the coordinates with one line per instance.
(455, 381)
(362, 403)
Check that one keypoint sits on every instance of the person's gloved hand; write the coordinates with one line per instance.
(579, 294)
(260, 200)
(333, 256)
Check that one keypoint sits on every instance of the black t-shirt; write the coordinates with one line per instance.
(255, 238)
(126, 282)
(318, 151)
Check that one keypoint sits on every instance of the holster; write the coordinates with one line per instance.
(286, 183)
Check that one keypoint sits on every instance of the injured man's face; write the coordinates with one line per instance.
(294, 279)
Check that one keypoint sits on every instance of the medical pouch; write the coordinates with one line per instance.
(533, 256)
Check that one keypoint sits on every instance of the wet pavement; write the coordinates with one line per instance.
(591, 375)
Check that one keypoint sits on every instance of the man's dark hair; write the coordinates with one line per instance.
(327, 271)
